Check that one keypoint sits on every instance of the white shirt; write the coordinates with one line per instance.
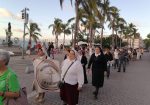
(116, 55)
(75, 73)
(129, 51)
(97, 54)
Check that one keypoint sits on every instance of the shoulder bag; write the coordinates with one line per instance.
(61, 83)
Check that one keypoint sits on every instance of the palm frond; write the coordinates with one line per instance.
(70, 20)
(50, 25)
(37, 34)
(26, 34)
(61, 3)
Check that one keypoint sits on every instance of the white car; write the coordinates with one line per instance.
(10, 52)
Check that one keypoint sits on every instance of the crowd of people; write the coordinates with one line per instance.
(73, 71)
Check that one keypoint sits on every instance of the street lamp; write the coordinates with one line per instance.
(25, 16)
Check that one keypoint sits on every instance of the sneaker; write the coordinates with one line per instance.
(86, 82)
(64, 103)
(95, 97)
(40, 100)
(94, 93)
(37, 97)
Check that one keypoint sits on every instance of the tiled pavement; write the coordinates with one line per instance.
(130, 88)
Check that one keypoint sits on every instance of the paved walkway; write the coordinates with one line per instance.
(130, 88)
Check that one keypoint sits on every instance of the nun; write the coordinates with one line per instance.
(73, 77)
(99, 65)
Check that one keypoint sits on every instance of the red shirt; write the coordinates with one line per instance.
(38, 46)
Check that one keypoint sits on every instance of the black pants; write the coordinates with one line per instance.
(122, 64)
(85, 76)
(116, 64)
(108, 71)
(48, 52)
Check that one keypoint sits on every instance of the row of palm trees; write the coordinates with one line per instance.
(59, 27)
(93, 16)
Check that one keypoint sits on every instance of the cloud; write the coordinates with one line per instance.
(18, 30)
(5, 13)
(8, 14)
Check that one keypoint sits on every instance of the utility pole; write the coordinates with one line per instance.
(25, 16)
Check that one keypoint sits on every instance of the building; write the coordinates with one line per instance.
(138, 42)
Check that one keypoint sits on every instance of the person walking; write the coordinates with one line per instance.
(36, 61)
(99, 65)
(84, 62)
(72, 72)
(48, 49)
(138, 54)
(109, 58)
(116, 58)
(67, 51)
(122, 60)
(52, 50)
(7, 77)
(134, 54)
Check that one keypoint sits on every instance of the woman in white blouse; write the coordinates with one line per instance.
(74, 79)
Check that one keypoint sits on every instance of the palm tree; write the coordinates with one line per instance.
(132, 29)
(135, 35)
(66, 31)
(113, 14)
(8, 37)
(119, 27)
(121, 31)
(126, 33)
(77, 3)
(72, 31)
(33, 33)
(57, 25)
(104, 5)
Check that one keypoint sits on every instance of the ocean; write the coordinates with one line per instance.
(20, 43)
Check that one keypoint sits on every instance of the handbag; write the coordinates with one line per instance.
(62, 82)
(21, 100)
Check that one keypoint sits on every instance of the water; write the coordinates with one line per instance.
(20, 43)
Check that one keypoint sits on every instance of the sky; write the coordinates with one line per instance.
(43, 12)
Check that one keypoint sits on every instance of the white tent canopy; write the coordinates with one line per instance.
(81, 42)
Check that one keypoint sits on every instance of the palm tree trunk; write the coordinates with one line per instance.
(90, 40)
(133, 42)
(113, 43)
(72, 38)
(64, 40)
(120, 40)
(56, 41)
(116, 39)
(77, 22)
(90, 34)
(128, 41)
(102, 37)
(93, 35)
(30, 42)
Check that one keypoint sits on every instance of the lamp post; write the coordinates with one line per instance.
(25, 16)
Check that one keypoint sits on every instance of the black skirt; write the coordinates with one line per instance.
(70, 94)
(97, 78)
